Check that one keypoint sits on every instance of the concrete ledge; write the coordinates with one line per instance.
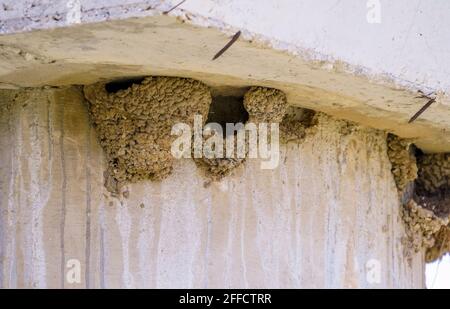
(153, 44)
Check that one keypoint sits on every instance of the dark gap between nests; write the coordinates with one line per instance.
(227, 109)
(122, 84)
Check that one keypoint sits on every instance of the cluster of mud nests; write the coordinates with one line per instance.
(133, 120)
(423, 182)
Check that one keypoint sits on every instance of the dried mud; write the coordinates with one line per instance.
(134, 124)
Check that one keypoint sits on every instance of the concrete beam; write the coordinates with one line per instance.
(108, 40)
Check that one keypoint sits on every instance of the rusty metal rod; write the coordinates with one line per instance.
(424, 108)
(173, 8)
(224, 49)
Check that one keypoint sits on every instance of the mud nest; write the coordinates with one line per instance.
(262, 105)
(134, 124)
(218, 168)
(441, 245)
(422, 227)
(403, 162)
(296, 124)
(432, 192)
(433, 183)
(423, 183)
(265, 104)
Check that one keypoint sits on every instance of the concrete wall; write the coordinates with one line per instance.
(406, 42)
(316, 221)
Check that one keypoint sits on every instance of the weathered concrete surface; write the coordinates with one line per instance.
(316, 221)
(408, 43)
(328, 43)
(163, 45)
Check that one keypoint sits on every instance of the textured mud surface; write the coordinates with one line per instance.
(422, 227)
(403, 161)
(265, 104)
(433, 183)
(134, 124)
(296, 123)
(441, 245)
(423, 183)
(218, 168)
(262, 104)
(432, 192)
